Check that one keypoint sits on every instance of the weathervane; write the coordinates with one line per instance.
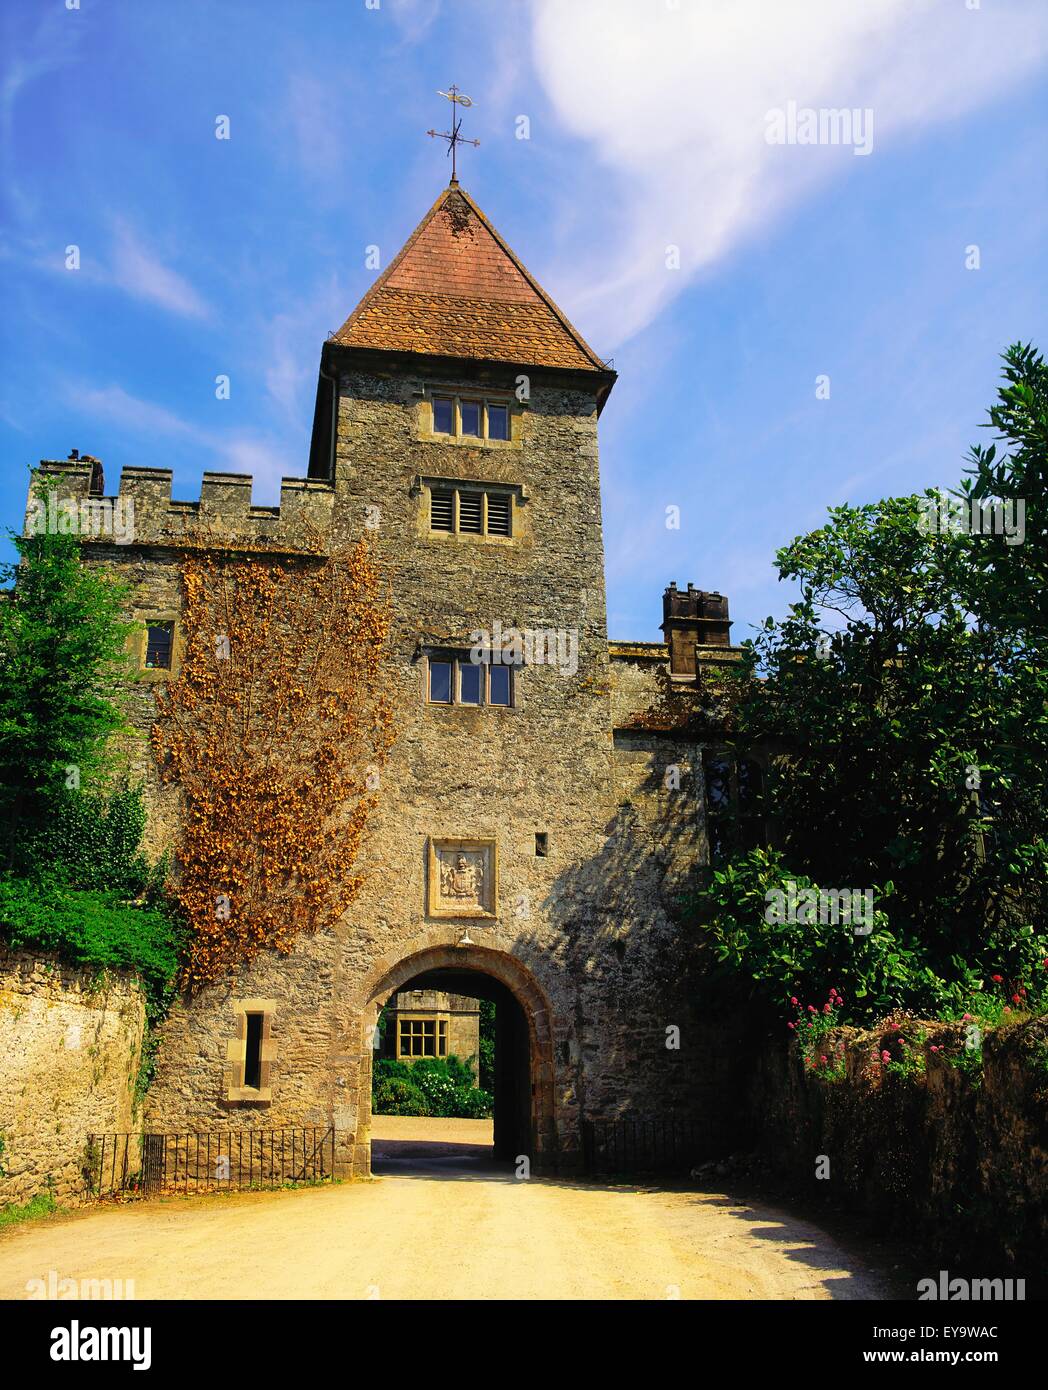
(453, 137)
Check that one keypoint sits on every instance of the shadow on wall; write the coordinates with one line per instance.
(646, 1048)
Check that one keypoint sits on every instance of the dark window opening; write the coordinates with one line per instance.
(459, 680)
(470, 683)
(443, 415)
(440, 682)
(159, 641)
(470, 414)
(498, 422)
(253, 1053)
(735, 809)
(541, 843)
(500, 684)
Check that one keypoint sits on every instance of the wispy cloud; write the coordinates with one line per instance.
(674, 99)
(138, 270)
(235, 451)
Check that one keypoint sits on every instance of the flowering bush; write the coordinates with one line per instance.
(821, 1054)
(434, 1086)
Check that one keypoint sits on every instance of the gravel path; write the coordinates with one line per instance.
(443, 1222)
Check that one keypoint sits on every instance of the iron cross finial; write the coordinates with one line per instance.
(452, 136)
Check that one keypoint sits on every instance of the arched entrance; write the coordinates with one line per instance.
(523, 1084)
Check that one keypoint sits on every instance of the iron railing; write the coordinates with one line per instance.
(234, 1160)
(629, 1145)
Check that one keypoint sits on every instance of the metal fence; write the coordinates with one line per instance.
(152, 1164)
(628, 1145)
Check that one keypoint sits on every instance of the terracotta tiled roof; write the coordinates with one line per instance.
(457, 290)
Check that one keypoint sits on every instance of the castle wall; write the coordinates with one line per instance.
(589, 929)
(70, 1047)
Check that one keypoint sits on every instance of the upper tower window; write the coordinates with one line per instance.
(471, 511)
(469, 417)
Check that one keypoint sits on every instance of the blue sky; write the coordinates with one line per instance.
(647, 126)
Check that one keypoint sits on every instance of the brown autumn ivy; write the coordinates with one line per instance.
(274, 730)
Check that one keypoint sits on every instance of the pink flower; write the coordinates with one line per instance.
(886, 1056)
(965, 1018)
(826, 1009)
(792, 1026)
(811, 1008)
(934, 1048)
(1007, 1010)
(794, 1000)
(997, 979)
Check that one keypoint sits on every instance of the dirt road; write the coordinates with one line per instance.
(442, 1222)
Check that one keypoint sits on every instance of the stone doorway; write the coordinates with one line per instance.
(523, 1087)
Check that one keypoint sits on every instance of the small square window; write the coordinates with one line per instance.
(440, 682)
(498, 422)
(499, 685)
(443, 415)
(470, 413)
(159, 640)
(470, 682)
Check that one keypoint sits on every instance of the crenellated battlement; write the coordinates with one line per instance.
(142, 512)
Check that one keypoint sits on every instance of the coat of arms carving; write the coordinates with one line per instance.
(461, 878)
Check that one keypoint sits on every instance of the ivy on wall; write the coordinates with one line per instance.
(275, 731)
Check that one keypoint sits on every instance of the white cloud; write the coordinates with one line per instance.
(137, 270)
(675, 98)
(234, 452)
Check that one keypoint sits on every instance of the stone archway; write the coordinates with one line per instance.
(428, 959)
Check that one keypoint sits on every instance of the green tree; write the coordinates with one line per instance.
(62, 651)
(905, 694)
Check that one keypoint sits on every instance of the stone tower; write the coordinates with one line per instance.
(524, 848)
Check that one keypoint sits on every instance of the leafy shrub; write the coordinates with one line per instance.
(434, 1086)
(876, 972)
(92, 929)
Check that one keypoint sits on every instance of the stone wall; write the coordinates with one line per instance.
(70, 1047)
(956, 1162)
(587, 933)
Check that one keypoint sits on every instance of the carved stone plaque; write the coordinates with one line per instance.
(462, 878)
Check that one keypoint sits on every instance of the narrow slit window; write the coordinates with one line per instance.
(541, 843)
(159, 642)
(253, 1052)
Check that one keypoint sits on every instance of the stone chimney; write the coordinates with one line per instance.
(693, 620)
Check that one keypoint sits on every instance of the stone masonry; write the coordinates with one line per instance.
(557, 802)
